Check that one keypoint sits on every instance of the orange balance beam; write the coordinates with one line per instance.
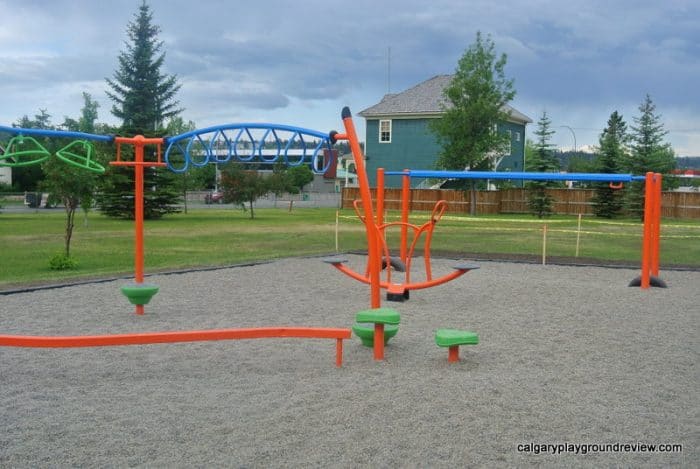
(180, 336)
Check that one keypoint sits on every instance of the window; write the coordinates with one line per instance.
(384, 131)
(517, 136)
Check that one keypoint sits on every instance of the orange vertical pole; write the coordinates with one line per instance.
(378, 341)
(138, 213)
(656, 228)
(405, 195)
(338, 352)
(646, 237)
(453, 353)
(380, 196)
(370, 223)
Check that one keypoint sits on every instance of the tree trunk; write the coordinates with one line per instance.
(252, 215)
(70, 221)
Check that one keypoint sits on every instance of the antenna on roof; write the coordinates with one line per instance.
(388, 71)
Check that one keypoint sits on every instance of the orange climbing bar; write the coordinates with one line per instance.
(179, 336)
(373, 236)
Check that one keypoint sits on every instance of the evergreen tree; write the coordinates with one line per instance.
(541, 160)
(467, 131)
(607, 202)
(649, 152)
(143, 98)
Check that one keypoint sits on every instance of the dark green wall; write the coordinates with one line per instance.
(414, 146)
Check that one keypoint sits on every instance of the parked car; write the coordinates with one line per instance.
(214, 198)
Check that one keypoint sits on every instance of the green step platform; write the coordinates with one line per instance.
(365, 331)
(366, 319)
(453, 338)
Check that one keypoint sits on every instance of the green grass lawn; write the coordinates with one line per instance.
(214, 237)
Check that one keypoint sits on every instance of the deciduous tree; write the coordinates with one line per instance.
(241, 186)
(467, 131)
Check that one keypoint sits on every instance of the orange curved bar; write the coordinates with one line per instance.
(437, 281)
(144, 338)
(616, 186)
(352, 274)
(407, 286)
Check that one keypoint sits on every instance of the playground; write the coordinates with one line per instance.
(566, 355)
(563, 359)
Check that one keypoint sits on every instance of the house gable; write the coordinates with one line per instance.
(411, 144)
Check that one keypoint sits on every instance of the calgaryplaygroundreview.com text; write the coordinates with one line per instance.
(588, 448)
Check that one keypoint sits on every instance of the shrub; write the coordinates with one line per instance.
(62, 262)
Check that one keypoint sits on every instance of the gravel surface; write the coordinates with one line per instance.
(567, 355)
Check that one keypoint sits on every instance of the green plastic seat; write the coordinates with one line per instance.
(452, 337)
(139, 293)
(365, 331)
(379, 316)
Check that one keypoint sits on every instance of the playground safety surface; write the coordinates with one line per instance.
(566, 355)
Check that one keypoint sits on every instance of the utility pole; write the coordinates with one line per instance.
(573, 134)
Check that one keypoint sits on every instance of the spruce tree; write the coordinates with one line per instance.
(607, 202)
(541, 160)
(649, 152)
(143, 98)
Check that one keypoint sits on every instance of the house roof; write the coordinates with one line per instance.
(425, 99)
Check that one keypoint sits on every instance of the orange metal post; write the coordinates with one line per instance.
(405, 195)
(338, 352)
(453, 353)
(646, 238)
(138, 214)
(378, 341)
(656, 229)
(380, 196)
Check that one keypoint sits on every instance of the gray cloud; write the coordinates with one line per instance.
(582, 60)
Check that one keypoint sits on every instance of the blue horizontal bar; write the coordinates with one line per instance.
(603, 177)
(56, 133)
(251, 125)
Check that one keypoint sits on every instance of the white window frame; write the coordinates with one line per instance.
(382, 132)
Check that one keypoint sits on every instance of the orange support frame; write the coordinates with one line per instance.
(139, 142)
(180, 336)
(375, 226)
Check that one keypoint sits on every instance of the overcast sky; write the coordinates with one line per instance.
(300, 62)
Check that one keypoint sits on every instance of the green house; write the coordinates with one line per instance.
(397, 135)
